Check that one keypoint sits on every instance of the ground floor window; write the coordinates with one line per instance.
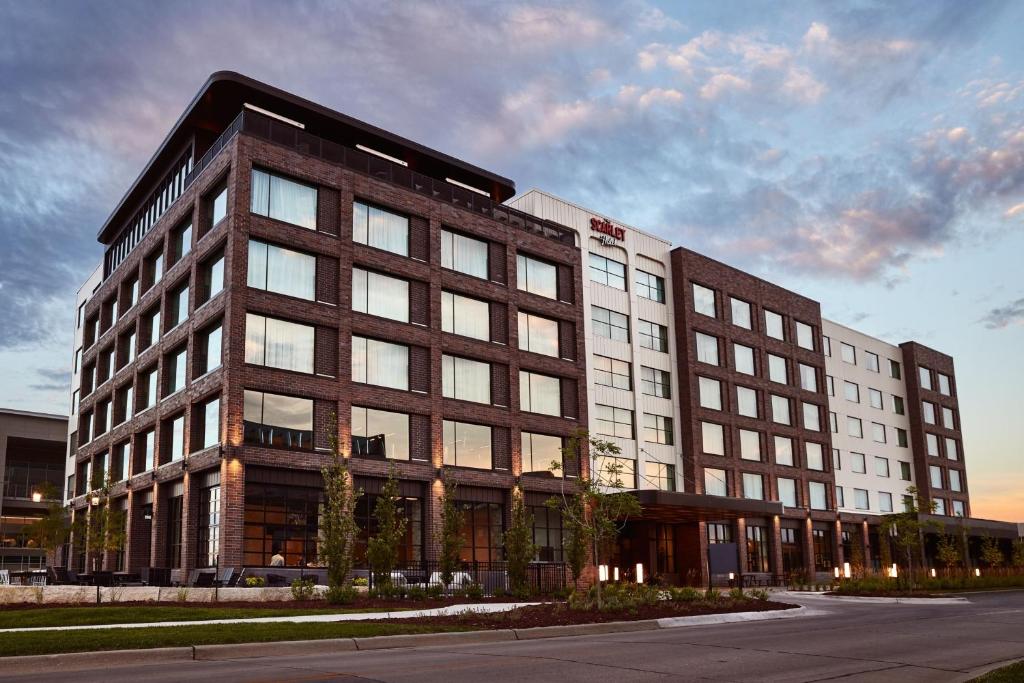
(847, 541)
(209, 527)
(792, 556)
(823, 561)
(174, 510)
(281, 525)
(482, 525)
(547, 533)
(757, 549)
(666, 546)
(410, 550)
(719, 532)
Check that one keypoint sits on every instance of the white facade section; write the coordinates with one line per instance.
(873, 470)
(643, 255)
(85, 293)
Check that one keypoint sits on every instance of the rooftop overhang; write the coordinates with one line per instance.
(676, 506)
(974, 526)
(223, 97)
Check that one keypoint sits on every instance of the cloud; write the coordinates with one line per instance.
(1005, 316)
(54, 380)
(1015, 210)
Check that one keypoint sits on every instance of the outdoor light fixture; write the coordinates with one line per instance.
(731, 576)
(95, 500)
(602, 572)
(893, 571)
(639, 572)
(846, 570)
(933, 572)
(836, 572)
(36, 496)
(616, 573)
(977, 571)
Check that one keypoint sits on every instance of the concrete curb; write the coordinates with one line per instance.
(110, 659)
(81, 661)
(892, 601)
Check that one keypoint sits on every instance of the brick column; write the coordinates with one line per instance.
(189, 515)
(809, 552)
(776, 547)
(741, 544)
(839, 559)
(232, 513)
(865, 539)
(158, 527)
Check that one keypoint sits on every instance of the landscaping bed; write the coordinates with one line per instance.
(558, 614)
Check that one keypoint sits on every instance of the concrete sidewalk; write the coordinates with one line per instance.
(482, 608)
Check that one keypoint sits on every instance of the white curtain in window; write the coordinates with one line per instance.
(387, 297)
(289, 272)
(537, 277)
(540, 393)
(465, 316)
(537, 334)
(255, 339)
(260, 202)
(464, 254)
(289, 345)
(293, 202)
(466, 380)
(387, 364)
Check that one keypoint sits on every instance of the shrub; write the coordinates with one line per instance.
(386, 591)
(684, 594)
(475, 591)
(416, 593)
(616, 597)
(255, 582)
(759, 594)
(303, 589)
(737, 594)
(435, 591)
(360, 581)
(712, 595)
(341, 595)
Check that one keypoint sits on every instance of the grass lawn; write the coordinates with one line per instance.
(137, 614)
(1008, 674)
(50, 642)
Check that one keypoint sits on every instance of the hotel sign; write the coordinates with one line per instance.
(610, 234)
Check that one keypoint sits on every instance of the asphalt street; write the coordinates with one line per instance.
(850, 642)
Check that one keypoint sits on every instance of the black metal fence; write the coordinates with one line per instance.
(492, 577)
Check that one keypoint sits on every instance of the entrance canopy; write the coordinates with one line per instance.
(974, 526)
(675, 506)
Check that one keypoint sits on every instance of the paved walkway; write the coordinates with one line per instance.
(479, 607)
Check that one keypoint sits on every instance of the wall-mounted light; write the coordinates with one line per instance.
(95, 500)
(732, 576)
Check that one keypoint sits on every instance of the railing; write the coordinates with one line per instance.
(492, 577)
(220, 143)
(297, 139)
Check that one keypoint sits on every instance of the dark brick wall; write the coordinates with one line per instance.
(333, 395)
(916, 355)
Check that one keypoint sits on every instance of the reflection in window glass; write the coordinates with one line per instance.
(275, 420)
(380, 228)
(380, 434)
(280, 270)
(465, 316)
(540, 393)
(465, 379)
(380, 295)
(464, 254)
(467, 445)
(280, 344)
(380, 363)
(536, 277)
(282, 199)
(538, 334)
(540, 451)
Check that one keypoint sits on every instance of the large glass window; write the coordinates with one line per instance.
(538, 334)
(465, 379)
(851, 391)
(149, 450)
(283, 199)
(611, 421)
(823, 542)
(481, 532)
(935, 476)
(744, 356)
(858, 463)
(540, 451)
(181, 242)
(660, 475)
(278, 343)
(773, 325)
(945, 386)
(884, 501)
(219, 206)
(854, 427)
(547, 533)
(881, 467)
(757, 548)
(715, 482)
(750, 445)
(650, 286)
(815, 453)
(704, 300)
(812, 416)
(465, 316)
(848, 353)
(211, 423)
(780, 410)
(658, 429)
(783, 450)
(281, 520)
(925, 377)
(875, 398)
(611, 372)
(281, 270)
(380, 363)
(804, 335)
(211, 339)
(464, 254)
(612, 471)
(652, 335)
(871, 361)
(607, 271)
(275, 420)
(808, 378)
(177, 305)
(209, 527)
(610, 324)
(467, 445)
(740, 313)
(712, 438)
(536, 276)
(380, 295)
(753, 486)
(380, 434)
(710, 393)
(177, 364)
(792, 550)
(380, 228)
(928, 412)
(177, 437)
(777, 371)
(746, 402)
(540, 393)
(175, 507)
(410, 546)
(654, 382)
(707, 348)
(787, 492)
(955, 483)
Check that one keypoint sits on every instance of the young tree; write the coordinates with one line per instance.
(1018, 553)
(857, 556)
(450, 542)
(991, 553)
(53, 529)
(575, 532)
(382, 548)
(605, 506)
(906, 529)
(519, 547)
(338, 528)
(104, 528)
(947, 551)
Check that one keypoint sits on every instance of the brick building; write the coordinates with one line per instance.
(280, 270)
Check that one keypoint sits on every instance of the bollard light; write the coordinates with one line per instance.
(846, 570)
(616, 573)
(602, 572)
(731, 576)
(977, 571)
(894, 571)
(639, 572)
(933, 572)
(836, 572)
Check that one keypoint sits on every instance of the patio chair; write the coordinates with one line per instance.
(37, 580)
(203, 580)
(5, 577)
(227, 578)
(58, 575)
(459, 580)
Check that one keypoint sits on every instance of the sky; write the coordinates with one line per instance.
(869, 155)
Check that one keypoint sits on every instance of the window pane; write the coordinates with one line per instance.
(746, 402)
(773, 325)
(710, 393)
(538, 334)
(540, 393)
(467, 445)
(815, 456)
(713, 438)
(744, 359)
(607, 271)
(278, 344)
(715, 482)
(536, 277)
(380, 228)
(787, 492)
(540, 451)
(750, 445)
(783, 450)
(380, 363)
(464, 254)
(804, 336)
(808, 378)
(465, 316)
(380, 295)
(707, 348)
(780, 410)
(740, 313)
(777, 369)
(380, 434)
(465, 379)
(753, 486)
(704, 300)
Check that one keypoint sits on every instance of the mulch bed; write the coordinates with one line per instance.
(557, 614)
